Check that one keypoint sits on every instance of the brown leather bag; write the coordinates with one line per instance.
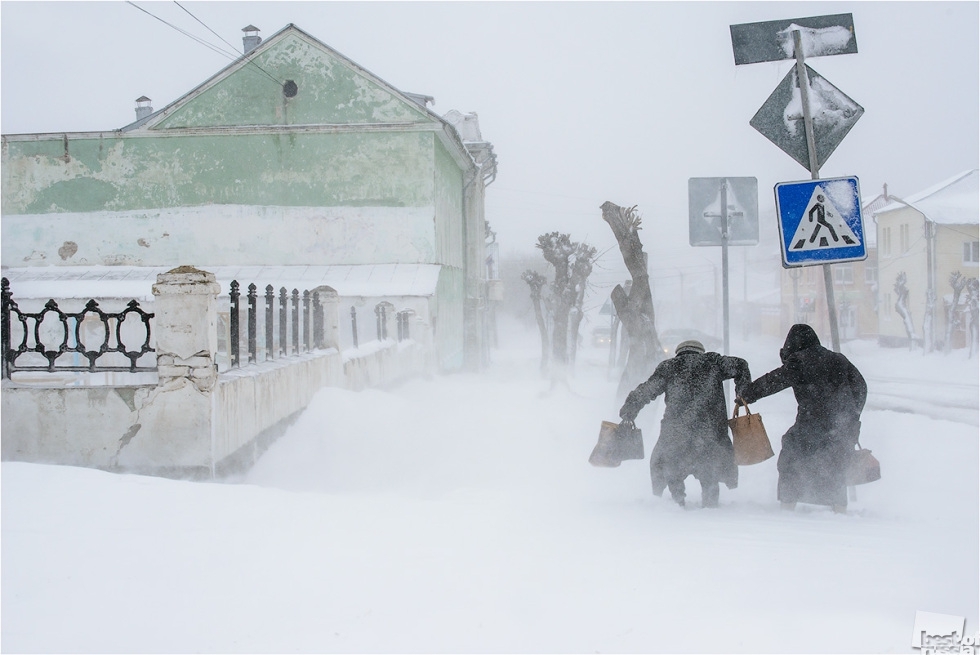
(749, 436)
(617, 442)
(863, 467)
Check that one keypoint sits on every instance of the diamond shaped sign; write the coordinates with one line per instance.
(780, 119)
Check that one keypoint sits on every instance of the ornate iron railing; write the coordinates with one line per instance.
(91, 334)
(292, 321)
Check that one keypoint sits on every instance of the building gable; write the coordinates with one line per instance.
(290, 79)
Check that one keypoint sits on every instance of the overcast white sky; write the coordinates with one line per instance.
(584, 102)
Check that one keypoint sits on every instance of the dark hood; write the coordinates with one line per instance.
(800, 337)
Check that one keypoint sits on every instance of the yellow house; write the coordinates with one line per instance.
(927, 243)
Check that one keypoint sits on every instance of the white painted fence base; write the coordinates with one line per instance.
(194, 422)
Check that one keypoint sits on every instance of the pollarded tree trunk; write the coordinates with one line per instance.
(902, 306)
(958, 282)
(973, 303)
(581, 269)
(572, 263)
(536, 282)
(635, 307)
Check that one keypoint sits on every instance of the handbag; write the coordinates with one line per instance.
(862, 467)
(749, 436)
(617, 442)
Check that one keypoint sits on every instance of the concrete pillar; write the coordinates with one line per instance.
(330, 305)
(174, 426)
(186, 317)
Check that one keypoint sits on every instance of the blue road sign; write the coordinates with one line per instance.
(820, 221)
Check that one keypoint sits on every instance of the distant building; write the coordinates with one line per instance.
(923, 240)
(291, 156)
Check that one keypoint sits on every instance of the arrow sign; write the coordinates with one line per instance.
(820, 221)
(704, 204)
(772, 40)
(780, 119)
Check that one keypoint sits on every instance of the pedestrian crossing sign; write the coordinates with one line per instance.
(820, 221)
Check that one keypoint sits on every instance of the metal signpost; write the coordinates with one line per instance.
(826, 113)
(723, 211)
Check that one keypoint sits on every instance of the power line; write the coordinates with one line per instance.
(205, 26)
(232, 56)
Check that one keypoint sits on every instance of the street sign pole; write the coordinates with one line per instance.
(724, 211)
(724, 259)
(811, 144)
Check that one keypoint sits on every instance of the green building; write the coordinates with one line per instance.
(292, 155)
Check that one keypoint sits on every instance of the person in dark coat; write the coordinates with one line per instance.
(830, 393)
(694, 431)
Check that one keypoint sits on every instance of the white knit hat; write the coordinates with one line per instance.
(689, 346)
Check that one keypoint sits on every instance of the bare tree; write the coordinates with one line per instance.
(928, 338)
(958, 282)
(581, 269)
(972, 302)
(536, 282)
(902, 306)
(635, 307)
(572, 263)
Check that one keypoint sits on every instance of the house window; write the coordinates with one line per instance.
(844, 274)
(886, 242)
(971, 252)
(903, 237)
(870, 274)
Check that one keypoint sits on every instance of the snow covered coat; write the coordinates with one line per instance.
(830, 393)
(694, 431)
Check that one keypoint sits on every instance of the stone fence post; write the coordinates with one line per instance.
(186, 318)
(174, 428)
(330, 306)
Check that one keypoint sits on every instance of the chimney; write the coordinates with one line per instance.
(251, 38)
(143, 108)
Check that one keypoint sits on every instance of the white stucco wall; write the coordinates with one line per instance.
(221, 235)
(181, 427)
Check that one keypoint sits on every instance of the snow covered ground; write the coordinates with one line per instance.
(459, 514)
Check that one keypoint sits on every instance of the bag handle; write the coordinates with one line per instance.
(740, 402)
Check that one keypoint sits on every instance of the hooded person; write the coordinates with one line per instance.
(830, 394)
(694, 431)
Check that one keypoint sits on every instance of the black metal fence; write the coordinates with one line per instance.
(87, 341)
(381, 311)
(299, 321)
(95, 340)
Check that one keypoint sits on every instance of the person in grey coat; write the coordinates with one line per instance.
(830, 394)
(694, 431)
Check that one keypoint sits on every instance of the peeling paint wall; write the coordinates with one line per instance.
(247, 199)
(390, 169)
(329, 91)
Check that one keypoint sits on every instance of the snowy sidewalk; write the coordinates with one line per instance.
(459, 514)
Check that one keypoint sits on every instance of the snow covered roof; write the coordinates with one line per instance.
(370, 280)
(955, 201)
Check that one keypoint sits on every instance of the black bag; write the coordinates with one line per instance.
(617, 442)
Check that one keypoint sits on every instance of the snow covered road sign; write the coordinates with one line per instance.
(780, 119)
(820, 221)
(772, 41)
